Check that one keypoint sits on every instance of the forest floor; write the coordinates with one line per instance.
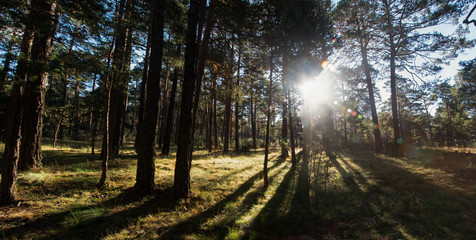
(358, 195)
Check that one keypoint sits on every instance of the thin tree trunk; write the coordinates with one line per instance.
(6, 63)
(202, 52)
(368, 78)
(450, 136)
(107, 147)
(170, 114)
(291, 129)
(284, 127)
(398, 149)
(268, 115)
(253, 114)
(428, 118)
(228, 120)
(237, 103)
(164, 110)
(214, 96)
(119, 76)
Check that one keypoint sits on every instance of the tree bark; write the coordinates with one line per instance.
(6, 64)
(368, 78)
(46, 19)
(284, 127)
(119, 76)
(170, 114)
(398, 148)
(237, 103)
(253, 114)
(185, 136)
(268, 120)
(143, 84)
(291, 130)
(214, 96)
(11, 153)
(145, 148)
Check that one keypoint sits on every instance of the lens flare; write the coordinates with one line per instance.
(325, 64)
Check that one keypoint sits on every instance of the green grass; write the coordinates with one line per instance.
(358, 195)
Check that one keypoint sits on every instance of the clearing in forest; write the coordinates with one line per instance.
(358, 195)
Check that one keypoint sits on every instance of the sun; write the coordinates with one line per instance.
(317, 90)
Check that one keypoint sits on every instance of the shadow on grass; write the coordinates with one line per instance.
(83, 160)
(192, 225)
(288, 212)
(404, 204)
(97, 221)
(217, 154)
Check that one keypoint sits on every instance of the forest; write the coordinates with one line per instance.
(238, 119)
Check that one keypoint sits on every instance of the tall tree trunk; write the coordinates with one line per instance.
(143, 85)
(214, 96)
(227, 122)
(202, 52)
(268, 120)
(46, 19)
(253, 113)
(237, 103)
(398, 148)
(75, 119)
(209, 123)
(291, 129)
(164, 110)
(229, 88)
(3, 80)
(284, 127)
(119, 76)
(11, 153)
(6, 63)
(170, 114)
(368, 78)
(185, 137)
(450, 135)
(145, 148)
(106, 151)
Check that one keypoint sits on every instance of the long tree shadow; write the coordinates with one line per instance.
(288, 212)
(413, 204)
(193, 224)
(362, 211)
(106, 223)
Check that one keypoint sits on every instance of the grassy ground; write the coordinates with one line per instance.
(358, 195)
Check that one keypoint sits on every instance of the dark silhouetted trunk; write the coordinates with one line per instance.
(143, 86)
(185, 136)
(284, 127)
(214, 96)
(119, 76)
(450, 132)
(170, 115)
(368, 78)
(45, 19)
(6, 63)
(145, 147)
(253, 114)
(291, 129)
(268, 121)
(398, 148)
(202, 57)
(11, 153)
(237, 103)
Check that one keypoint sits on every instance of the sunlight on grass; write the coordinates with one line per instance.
(355, 196)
